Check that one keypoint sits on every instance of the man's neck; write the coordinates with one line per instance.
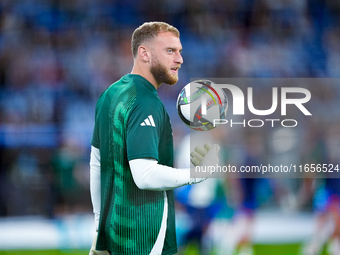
(146, 74)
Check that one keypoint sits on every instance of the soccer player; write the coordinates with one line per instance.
(131, 166)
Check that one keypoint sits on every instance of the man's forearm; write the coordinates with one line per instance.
(95, 183)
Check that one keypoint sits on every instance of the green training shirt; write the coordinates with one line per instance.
(131, 123)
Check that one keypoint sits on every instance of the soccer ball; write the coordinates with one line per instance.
(201, 102)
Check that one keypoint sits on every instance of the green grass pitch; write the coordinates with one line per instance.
(45, 252)
(280, 249)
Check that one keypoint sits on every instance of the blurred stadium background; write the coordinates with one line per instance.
(58, 56)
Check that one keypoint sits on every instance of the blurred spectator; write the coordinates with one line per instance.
(249, 187)
(326, 200)
(69, 179)
(199, 204)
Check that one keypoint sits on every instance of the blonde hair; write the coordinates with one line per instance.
(148, 31)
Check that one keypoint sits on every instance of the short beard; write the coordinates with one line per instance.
(161, 75)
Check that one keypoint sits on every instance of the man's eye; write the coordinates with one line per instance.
(170, 50)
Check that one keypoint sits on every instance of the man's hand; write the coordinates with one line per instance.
(207, 156)
(93, 250)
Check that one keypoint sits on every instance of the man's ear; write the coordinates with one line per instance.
(144, 53)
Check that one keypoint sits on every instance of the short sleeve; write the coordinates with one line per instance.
(143, 130)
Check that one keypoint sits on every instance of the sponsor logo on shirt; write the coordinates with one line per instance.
(148, 121)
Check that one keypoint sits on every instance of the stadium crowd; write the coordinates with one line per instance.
(58, 56)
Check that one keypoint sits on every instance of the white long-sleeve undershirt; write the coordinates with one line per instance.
(150, 175)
